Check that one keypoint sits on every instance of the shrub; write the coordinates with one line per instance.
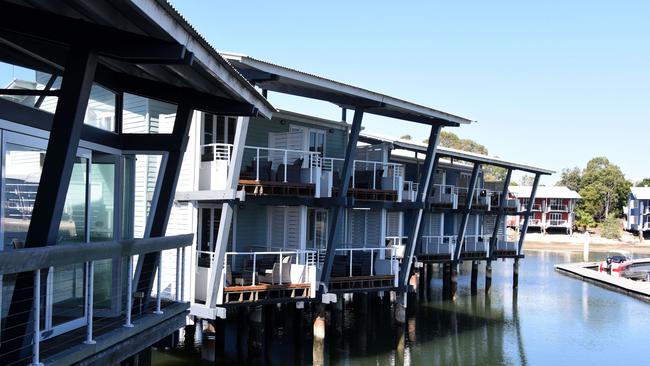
(611, 228)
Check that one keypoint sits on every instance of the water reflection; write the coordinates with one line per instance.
(548, 316)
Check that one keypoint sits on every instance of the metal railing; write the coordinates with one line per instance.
(564, 208)
(287, 157)
(476, 243)
(219, 151)
(410, 190)
(556, 222)
(441, 244)
(383, 253)
(70, 294)
(444, 194)
(535, 222)
(481, 196)
(298, 257)
(394, 171)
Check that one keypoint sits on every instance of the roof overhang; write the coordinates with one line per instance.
(144, 45)
(285, 80)
(453, 154)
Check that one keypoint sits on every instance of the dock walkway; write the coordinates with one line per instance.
(586, 272)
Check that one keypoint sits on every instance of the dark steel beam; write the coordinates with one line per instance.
(48, 86)
(336, 214)
(460, 241)
(426, 178)
(53, 187)
(529, 209)
(162, 202)
(501, 213)
(47, 93)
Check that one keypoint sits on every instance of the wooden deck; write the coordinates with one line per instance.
(361, 283)
(434, 258)
(464, 255)
(365, 194)
(261, 188)
(264, 292)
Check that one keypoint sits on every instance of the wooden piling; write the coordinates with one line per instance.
(474, 278)
(515, 274)
(488, 276)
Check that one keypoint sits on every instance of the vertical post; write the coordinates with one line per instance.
(36, 351)
(129, 293)
(426, 172)
(161, 204)
(338, 210)
(178, 274)
(488, 276)
(284, 159)
(90, 266)
(159, 285)
(255, 269)
(474, 278)
(503, 202)
(529, 209)
(460, 241)
(183, 274)
(55, 177)
(515, 274)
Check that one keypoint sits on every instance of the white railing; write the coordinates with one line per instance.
(563, 208)
(481, 196)
(392, 171)
(442, 244)
(304, 258)
(396, 240)
(389, 254)
(219, 152)
(444, 194)
(535, 222)
(502, 242)
(476, 243)
(556, 223)
(410, 191)
(286, 156)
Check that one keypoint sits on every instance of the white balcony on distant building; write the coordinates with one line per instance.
(444, 195)
(437, 245)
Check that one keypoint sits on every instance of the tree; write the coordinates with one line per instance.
(493, 173)
(406, 137)
(603, 188)
(527, 180)
(571, 178)
(451, 140)
(644, 183)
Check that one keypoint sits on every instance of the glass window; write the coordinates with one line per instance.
(100, 112)
(146, 115)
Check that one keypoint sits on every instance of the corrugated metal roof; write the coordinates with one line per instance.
(292, 81)
(544, 192)
(641, 193)
(453, 153)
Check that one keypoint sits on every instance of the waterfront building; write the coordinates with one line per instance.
(637, 210)
(553, 208)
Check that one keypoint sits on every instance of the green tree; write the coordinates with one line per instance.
(571, 178)
(584, 220)
(493, 173)
(451, 140)
(526, 180)
(612, 228)
(603, 188)
(407, 137)
(644, 183)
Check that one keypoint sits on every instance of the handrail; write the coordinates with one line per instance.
(558, 208)
(309, 260)
(315, 161)
(438, 241)
(396, 172)
(30, 259)
(556, 222)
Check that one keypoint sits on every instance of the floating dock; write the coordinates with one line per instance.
(587, 271)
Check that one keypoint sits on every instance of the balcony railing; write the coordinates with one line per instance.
(441, 244)
(269, 267)
(562, 223)
(534, 222)
(562, 208)
(289, 165)
(476, 243)
(368, 174)
(70, 292)
(383, 261)
(410, 191)
(444, 195)
(481, 197)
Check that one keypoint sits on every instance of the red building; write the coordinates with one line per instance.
(553, 208)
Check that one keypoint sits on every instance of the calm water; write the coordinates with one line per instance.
(552, 319)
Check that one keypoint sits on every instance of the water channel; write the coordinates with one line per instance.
(550, 319)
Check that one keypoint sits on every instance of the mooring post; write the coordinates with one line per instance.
(488, 276)
(445, 280)
(474, 278)
(453, 275)
(400, 307)
(515, 274)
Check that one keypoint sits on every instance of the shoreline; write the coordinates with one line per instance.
(572, 246)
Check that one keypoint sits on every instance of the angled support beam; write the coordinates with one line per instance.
(460, 241)
(48, 86)
(428, 170)
(338, 211)
(529, 209)
(163, 200)
(52, 190)
(216, 279)
(500, 214)
(29, 92)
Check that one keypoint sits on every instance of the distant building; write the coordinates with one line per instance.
(637, 210)
(553, 208)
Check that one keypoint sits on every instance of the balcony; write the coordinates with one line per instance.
(534, 223)
(261, 277)
(557, 223)
(475, 247)
(410, 191)
(362, 269)
(437, 248)
(557, 208)
(503, 247)
(480, 200)
(444, 196)
(83, 295)
(371, 181)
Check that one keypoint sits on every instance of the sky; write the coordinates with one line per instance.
(550, 83)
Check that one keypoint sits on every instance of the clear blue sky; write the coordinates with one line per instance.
(550, 83)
